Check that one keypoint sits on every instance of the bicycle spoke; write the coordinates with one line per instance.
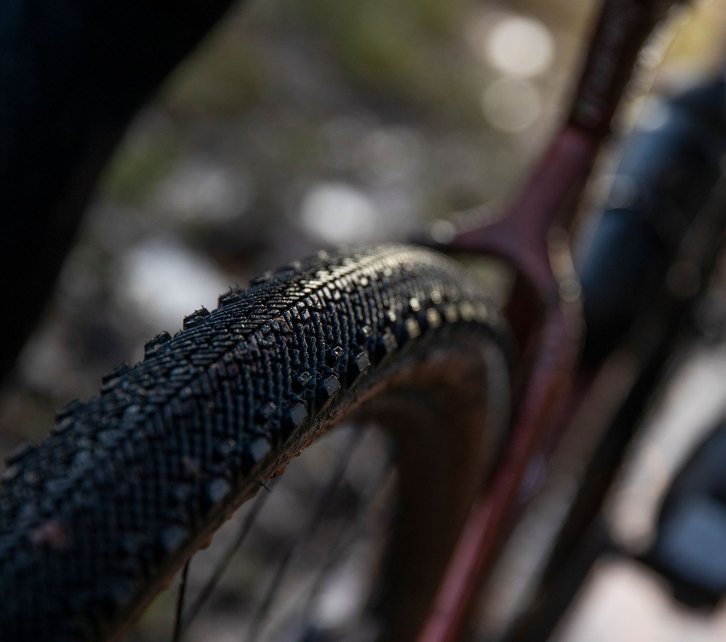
(348, 534)
(222, 565)
(181, 595)
(321, 506)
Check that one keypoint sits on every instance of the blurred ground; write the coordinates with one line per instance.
(622, 600)
(298, 125)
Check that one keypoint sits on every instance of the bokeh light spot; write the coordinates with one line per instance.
(519, 46)
(511, 105)
(339, 213)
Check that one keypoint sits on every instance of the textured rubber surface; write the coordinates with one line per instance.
(111, 502)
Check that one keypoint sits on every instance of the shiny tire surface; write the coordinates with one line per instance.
(97, 517)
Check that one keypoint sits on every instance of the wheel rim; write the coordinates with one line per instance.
(444, 414)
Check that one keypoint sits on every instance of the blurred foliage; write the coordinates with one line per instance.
(139, 164)
(226, 75)
(699, 37)
(401, 49)
(397, 50)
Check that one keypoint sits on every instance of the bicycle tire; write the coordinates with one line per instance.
(99, 515)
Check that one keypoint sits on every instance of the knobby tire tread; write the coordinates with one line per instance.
(110, 503)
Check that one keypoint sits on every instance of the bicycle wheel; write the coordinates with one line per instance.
(94, 520)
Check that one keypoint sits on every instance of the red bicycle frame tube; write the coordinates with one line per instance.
(521, 239)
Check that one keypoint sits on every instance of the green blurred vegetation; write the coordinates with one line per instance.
(404, 50)
(139, 164)
(226, 74)
(406, 61)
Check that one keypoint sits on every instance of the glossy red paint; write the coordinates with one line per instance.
(521, 239)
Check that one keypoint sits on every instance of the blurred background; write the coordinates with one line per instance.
(300, 125)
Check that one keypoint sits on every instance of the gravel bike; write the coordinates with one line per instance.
(473, 391)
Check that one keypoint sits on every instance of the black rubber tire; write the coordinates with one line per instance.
(129, 484)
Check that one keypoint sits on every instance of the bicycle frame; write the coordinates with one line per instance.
(528, 239)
